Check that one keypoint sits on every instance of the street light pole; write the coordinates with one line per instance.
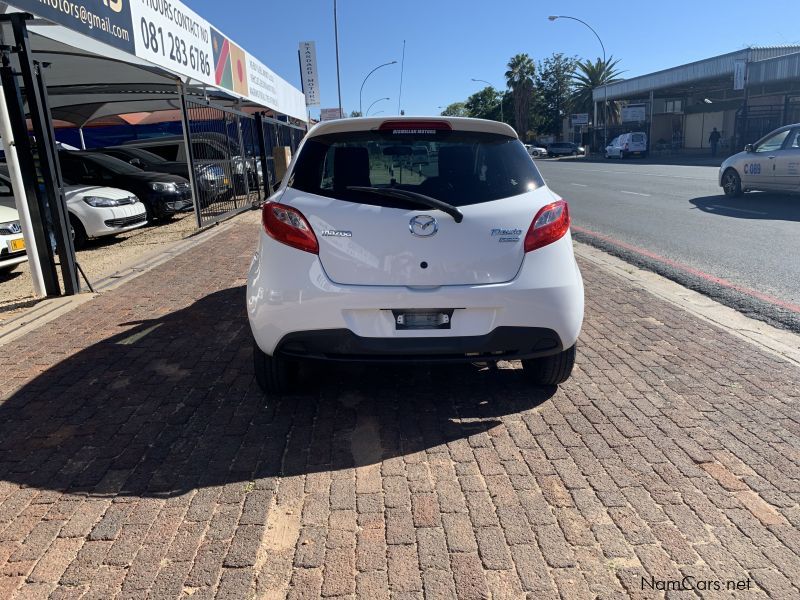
(374, 103)
(501, 97)
(605, 86)
(338, 79)
(394, 62)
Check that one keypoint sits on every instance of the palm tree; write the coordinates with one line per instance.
(519, 76)
(590, 75)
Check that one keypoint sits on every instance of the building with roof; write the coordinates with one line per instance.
(744, 94)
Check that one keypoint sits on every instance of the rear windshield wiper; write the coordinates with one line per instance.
(451, 210)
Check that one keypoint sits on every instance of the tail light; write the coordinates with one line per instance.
(289, 226)
(626, 146)
(550, 224)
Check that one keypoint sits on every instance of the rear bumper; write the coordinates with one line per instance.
(502, 343)
(291, 298)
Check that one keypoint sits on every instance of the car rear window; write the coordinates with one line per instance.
(637, 137)
(457, 167)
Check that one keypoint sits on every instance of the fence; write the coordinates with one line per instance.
(227, 157)
(277, 133)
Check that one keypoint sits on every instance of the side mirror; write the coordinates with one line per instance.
(136, 162)
(748, 147)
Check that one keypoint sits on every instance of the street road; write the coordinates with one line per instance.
(680, 214)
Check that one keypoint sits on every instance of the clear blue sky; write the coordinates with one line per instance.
(450, 41)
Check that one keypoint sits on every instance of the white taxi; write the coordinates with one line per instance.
(770, 164)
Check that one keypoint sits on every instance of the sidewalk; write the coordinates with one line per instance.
(138, 459)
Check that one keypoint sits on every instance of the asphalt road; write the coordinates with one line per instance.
(744, 252)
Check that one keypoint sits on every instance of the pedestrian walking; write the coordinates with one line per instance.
(713, 139)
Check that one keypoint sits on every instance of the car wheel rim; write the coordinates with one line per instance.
(730, 183)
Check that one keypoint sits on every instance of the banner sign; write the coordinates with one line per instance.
(171, 35)
(329, 114)
(108, 21)
(308, 72)
(739, 72)
(634, 113)
(580, 119)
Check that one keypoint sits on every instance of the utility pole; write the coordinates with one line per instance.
(338, 78)
(402, 66)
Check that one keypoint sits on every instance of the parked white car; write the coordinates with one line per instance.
(536, 151)
(12, 245)
(770, 164)
(469, 261)
(94, 211)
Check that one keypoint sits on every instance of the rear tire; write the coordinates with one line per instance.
(275, 375)
(550, 370)
(731, 183)
(79, 236)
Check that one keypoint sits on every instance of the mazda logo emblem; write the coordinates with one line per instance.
(423, 225)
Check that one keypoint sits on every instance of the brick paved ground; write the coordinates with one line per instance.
(137, 459)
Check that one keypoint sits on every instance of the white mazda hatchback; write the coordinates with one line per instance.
(366, 254)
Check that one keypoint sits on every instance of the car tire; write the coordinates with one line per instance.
(550, 370)
(274, 375)
(731, 183)
(79, 236)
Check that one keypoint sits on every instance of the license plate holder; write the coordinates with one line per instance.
(427, 318)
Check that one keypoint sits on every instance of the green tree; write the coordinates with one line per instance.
(590, 75)
(519, 76)
(555, 85)
(456, 109)
(484, 104)
(355, 113)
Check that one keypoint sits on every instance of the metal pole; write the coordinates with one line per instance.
(18, 186)
(28, 179)
(650, 127)
(50, 167)
(360, 91)
(374, 103)
(605, 86)
(338, 79)
(262, 154)
(502, 95)
(402, 67)
(190, 154)
(83, 140)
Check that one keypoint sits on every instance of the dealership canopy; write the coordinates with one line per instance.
(114, 56)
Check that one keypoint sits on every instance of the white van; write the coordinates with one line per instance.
(632, 144)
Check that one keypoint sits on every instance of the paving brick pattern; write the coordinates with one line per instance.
(138, 459)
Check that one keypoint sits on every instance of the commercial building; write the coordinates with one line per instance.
(744, 94)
